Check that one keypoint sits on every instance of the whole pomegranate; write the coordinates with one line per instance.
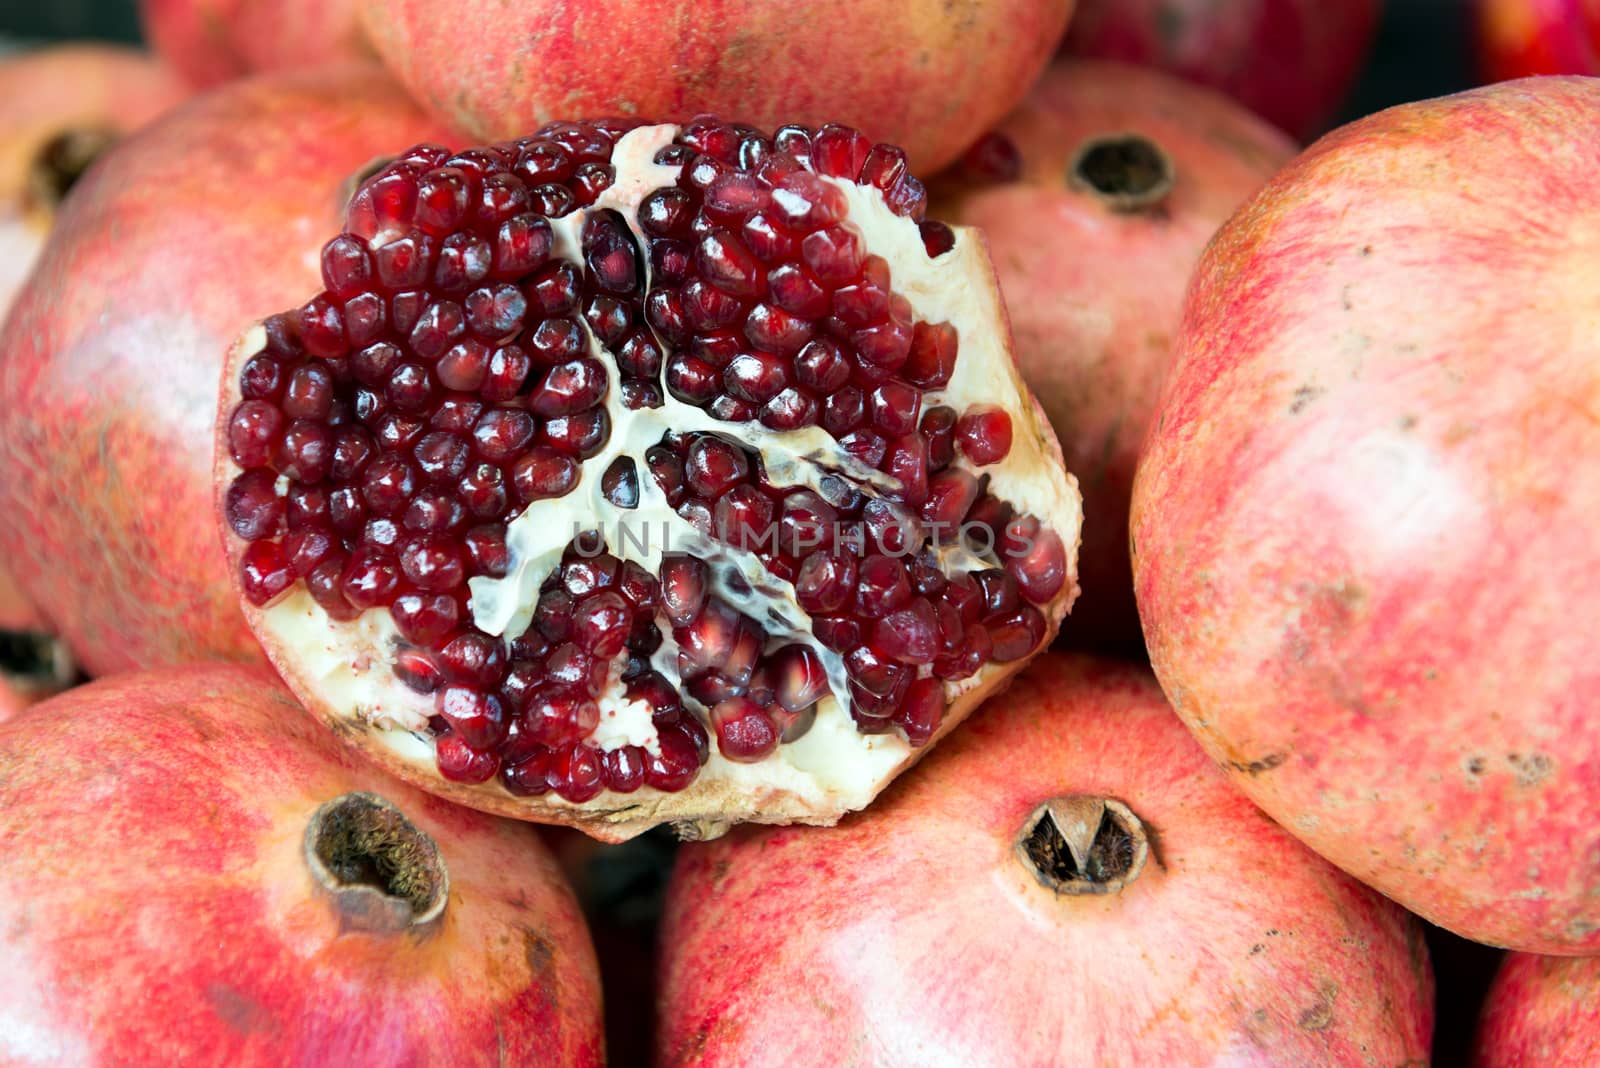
(1361, 525)
(1541, 1010)
(1518, 38)
(1068, 881)
(1097, 196)
(1290, 61)
(60, 108)
(223, 865)
(213, 41)
(928, 75)
(632, 473)
(114, 349)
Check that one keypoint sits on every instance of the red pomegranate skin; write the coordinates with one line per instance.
(213, 41)
(927, 75)
(1521, 38)
(912, 935)
(102, 88)
(1289, 61)
(108, 393)
(1095, 291)
(1541, 1010)
(1361, 527)
(157, 907)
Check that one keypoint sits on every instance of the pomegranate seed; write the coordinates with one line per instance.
(707, 641)
(840, 635)
(254, 431)
(569, 388)
(992, 159)
(252, 507)
(581, 435)
(541, 473)
(529, 777)
(937, 238)
(624, 768)
(882, 587)
(795, 291)
(677, 763)
(833, 254)
(459, 762)
(800, 680)
(609, 251)
(932, 358)
(265, 572)
(560, 719)
(1016, 635)
(743, 518)
(839, 152)
(745, 733)
(370, 578)
(600, 623)
(909, 634)
(477, 718)
(921, 711)
(825, 583)
(576, 775)
(684, 581)
(713, 466)
(984, 433)
(426, 618)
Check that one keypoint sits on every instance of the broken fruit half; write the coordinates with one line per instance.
(629, 474)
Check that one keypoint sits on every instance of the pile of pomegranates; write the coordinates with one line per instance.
(426, 420)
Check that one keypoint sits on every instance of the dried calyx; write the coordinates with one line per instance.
(632, 473)
(1127, 172)
(58, 164)
(1083, 845)
(382, 872)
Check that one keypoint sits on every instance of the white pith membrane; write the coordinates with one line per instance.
(344, 669)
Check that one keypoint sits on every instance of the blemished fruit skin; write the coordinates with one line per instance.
(1541, 1011)
(96, 90)
(1521, 38)
(1290, 61)
(159, 906)
(938, 945)
(114, 351)
(1094, 283)
(213, 41)
(1361, 526)
(928, 75)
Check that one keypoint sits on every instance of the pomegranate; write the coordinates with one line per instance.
(61, 107)
(1360, 526)
(1068, 881)
(213, 41)
(627, 473)
(1541, 1010)
(1097, 196)
(1290, 61)
(927, 75)
(1518, 38)
(113, 352)
(223, 864)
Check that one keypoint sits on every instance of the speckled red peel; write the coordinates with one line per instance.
(1361, 524)
(1066, 880)
(226, 865)
(630, 473)
(1541, 1010)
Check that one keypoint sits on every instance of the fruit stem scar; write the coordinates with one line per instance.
(1083, 845)
(383, 873)
(1127, 172)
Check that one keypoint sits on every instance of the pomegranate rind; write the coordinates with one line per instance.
(341, 671)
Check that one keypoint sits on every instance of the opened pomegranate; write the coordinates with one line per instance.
(1097, 196)
(1362, 524)
(1068, 881)
(60, 108)
(1519, 38)
(637, 473)
(223, 866)
(213, 41)
(927, 75)
(108, 386)
(1541, 1010)
(1290, 61)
